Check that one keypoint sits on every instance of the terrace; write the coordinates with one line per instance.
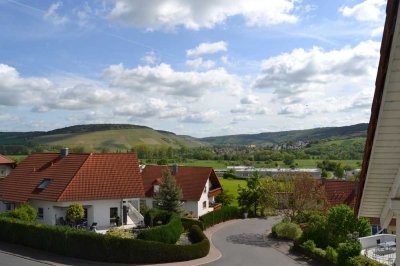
(381, 248)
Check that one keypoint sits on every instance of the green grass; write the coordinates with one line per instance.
(209, 163)
(231, 185)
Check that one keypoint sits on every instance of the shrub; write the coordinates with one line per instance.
(25, 213)
(195, 234)
(287, 230)
(187, 223)
(92, 246)
(75, 212)
(319, 252)
(363, 261)
(168, 233)
(219, 216)
(316, 230)
(309, 245)
(348, 250)
(331, 255)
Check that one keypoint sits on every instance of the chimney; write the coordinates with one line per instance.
(64, 152)
(174, 169)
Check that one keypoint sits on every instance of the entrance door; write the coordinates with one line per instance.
(125, 214)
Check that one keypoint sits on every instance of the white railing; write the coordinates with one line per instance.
(371, 241)
(134, 214)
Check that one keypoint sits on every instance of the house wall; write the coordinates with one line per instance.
(98, 210)
(193, 207)
(5, 170)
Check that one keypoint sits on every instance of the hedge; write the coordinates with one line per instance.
(168, 233)
(92, 246)
(287, 230)
(363, 261)
(187, 223)
(219, 216)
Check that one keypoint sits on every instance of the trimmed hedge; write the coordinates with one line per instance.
(363, 261)
(168, 233)
(92, 246)
(219, 216)
(187, 223)
(287, 230)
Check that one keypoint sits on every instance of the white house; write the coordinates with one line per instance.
(107, 185)
(379, 195)
(6, 166)
(199, 187)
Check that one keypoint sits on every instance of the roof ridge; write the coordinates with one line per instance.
(70, 181)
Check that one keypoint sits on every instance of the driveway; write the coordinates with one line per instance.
(245, 243)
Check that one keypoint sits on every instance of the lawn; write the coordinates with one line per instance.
(210, 163)
(231, 185)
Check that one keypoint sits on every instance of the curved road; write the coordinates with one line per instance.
(243, 243)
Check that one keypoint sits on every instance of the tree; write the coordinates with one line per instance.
(230, 174)
(339, 171)
(269, 188)
(224, 198)
(75, 212)
(288, 159)
(250, 196)
(170, 195)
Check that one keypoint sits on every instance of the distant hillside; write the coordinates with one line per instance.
(308, 135)
(95, 137)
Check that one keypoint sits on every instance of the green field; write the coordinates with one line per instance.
(209, 163)
(231, 185)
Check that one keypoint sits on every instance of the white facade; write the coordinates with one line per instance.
(195, 208)
(98, 211)
(5, 170)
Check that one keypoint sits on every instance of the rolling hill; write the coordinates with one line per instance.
(95, 137)
(308, 135)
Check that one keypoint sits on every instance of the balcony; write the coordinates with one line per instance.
(381, 248)
(214, 192)
(215, 206)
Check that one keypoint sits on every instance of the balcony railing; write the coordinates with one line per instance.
(214, 192)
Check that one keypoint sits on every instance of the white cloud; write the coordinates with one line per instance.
(250, 99)
(200, 63)
(377, 31)
(303, 80)
(208, 48)
(150, 58)
(163, 79)
(52, 15)
(201, 117)
(194, 14)
(368, 10)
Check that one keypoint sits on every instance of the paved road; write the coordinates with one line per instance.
(244, 243)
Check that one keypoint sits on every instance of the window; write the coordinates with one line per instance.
(204, 204)
(40, 213)
(2, 172)
(44, 183)
(85, 213)
(156, 188)
(113, 215)
(10, 206)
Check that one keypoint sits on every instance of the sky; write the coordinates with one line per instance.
(199, 68)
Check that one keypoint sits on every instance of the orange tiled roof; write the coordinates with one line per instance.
(74, 177)
(340, 192)
(190, 179)
(5, 160)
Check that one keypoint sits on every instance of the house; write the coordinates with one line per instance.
(379, 194)
(6, 165)
(199, 187)
(107, 185)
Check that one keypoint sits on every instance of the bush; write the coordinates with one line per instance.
(187, 223)
(309, 245)
(316, 230)
(89, 245)
(168, 233)
(331, 255)
(25, 213)
(363, 261)
(219, 216)
(153, 217)
(287, 230)
(75, 212)
(195, 234)
(348, 250)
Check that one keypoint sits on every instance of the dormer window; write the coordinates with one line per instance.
(156, 188)
(44, 184)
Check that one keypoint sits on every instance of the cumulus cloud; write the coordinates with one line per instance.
(150, 58)
(208, 48)
(163, 79)
(200, 63)
(201, 117)
(194, 15)
(302, 80)
(52, 15)
(368, 10)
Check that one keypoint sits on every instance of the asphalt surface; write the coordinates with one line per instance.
(245, 243)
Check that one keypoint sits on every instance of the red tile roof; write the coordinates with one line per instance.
(340, 192)
(5, 160)
(75, 177)
(190, 179)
